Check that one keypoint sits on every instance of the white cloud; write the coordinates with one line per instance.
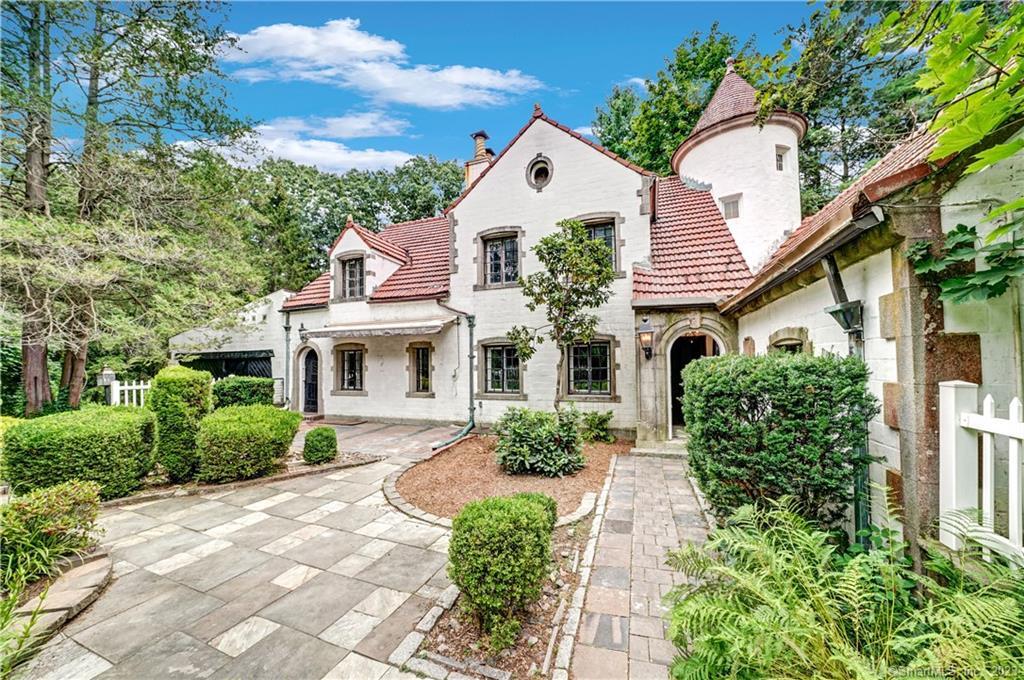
(585, 130)
(636, 82)
(349, 126)
(328, 155)
(340, 54)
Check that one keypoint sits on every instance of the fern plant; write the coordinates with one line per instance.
(771, 596)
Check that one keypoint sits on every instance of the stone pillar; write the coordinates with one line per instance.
(925, 355)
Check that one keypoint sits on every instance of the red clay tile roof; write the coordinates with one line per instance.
(538, 114)
(902, 166)
(313, 294)
(693, 253)
(426, 274)
(733, 97)
(422, 245)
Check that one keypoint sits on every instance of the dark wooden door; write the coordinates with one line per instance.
(311, 377)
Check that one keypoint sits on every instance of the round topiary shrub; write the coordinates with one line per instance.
(179, 397)
(546, 502)
(778, 425)
(240, 390)
(242, 442)
(498, 556)
(321, 445)
(109, 445)
(539, 442)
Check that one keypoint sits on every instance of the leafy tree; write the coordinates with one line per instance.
(614, 127)
(674, 100)
(575, 277)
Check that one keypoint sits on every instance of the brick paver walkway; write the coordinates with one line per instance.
(651, 509)
(313, 577)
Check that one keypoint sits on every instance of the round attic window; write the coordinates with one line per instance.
(538, 172)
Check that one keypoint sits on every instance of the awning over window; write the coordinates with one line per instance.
(383, 328)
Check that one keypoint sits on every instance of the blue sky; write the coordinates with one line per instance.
(365, 85)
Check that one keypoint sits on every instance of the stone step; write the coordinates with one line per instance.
(679, 454)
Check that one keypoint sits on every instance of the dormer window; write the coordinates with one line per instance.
(353, 279)
(731, 206)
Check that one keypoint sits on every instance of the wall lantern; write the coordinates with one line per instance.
(645, 334)
(106, 377)
(849, 315)
(303, 333)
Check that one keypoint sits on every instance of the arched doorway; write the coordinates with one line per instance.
(310, 381)
(685, 348)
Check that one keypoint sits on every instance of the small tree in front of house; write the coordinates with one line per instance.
(575, 278)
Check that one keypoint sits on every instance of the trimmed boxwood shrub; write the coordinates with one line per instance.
(777, 425)
(539, 442)
(109, 445)
(498, 556)
(240, 390)
(43, 526)
(321, 445)
(242, 442)
(546, 502)
(180, 397)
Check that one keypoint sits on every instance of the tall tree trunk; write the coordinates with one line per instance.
(35, 377)
(35, 123)
(77, 378)
(558, 378)
(91, 144)
(65, 369)
(47, 89)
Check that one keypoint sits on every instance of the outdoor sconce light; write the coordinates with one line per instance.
(106, 377)
(303, 333)
(645, 334)
(849, 315)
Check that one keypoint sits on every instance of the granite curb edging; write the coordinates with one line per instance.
(705, 507)
(395, 498)
(200, 489)
(83, 578)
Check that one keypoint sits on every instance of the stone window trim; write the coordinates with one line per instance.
(725, 201)
(617, 221)
(410, 368)
(481, 365)
(536, 160)
(791, 336)
(339, 283)
(480, 261)
(781, 159)
(614, 347)
(336, 351)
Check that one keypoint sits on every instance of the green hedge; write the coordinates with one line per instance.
(596, 426)
(180, 397)
(43, 526)
(498, 556)
(238, 390)
(321, 445)
(777, 425)
(539, 442)
(242, 442)
(110, 445)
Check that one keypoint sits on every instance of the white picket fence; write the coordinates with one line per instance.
(964, 484)
(134, 392)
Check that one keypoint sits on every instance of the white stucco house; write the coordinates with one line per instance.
(409, 323)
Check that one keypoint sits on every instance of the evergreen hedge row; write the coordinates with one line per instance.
(179, 397)
(240, 390)
(778, 425)
(110, 445)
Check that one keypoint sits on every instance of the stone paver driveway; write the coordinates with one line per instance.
(312, 577)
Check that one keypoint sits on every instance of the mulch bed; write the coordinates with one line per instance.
(456, 634)
(468, 471)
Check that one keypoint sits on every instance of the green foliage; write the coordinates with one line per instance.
(673, 101)
(242, 442)
(546, 502)
(109, 445)
(596, 426)
(539, 442)
(17, 631)
(770, 596)
(43, 526)
(575, 277)
(321, 445)
(498, 557)
(239, 390)
(179, 397)
(777, 425)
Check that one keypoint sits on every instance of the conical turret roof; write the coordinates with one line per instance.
(734, 97)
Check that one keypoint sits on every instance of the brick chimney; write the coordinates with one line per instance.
(482, 157)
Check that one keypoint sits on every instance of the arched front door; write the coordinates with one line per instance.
(684, 350)
(310, 381)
